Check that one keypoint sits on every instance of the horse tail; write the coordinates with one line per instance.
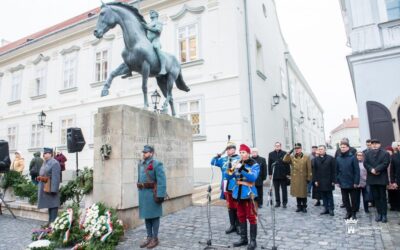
(180, 83)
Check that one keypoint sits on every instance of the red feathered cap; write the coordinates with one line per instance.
(244, 147)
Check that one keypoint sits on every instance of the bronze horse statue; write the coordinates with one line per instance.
(139, 54)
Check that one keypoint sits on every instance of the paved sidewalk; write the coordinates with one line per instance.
(184, 229)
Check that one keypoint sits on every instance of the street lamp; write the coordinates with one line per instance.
(155, 99)
(275, 100)
(42, 119)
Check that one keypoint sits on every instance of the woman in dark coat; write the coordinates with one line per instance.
(324, 178)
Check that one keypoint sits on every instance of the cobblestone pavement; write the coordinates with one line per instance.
(184, 230)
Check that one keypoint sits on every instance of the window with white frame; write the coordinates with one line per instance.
(259, 57)
(12, 137)
(190, 110)
(361, 12)
(39, 83)
(65, 124)
(36, 136)
(188, 43)
(70, 67)
(16, 85)
(101, 66)
(293, 91)
(393, 9)
(284, 84)
(286, 132)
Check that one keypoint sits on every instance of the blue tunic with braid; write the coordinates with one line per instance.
(224, 163)
(247, 172)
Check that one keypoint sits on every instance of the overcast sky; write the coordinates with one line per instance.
(313, 29)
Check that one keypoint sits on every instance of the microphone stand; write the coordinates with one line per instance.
(270, 202)
(209, 242)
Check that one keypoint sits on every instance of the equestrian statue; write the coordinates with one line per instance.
(142, 52)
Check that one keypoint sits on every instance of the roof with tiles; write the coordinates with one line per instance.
(353, 122)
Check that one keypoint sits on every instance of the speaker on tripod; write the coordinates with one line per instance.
(75, 143)
(75, 140)
(5, 161)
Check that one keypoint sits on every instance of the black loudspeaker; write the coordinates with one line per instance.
(5, 161)
(75, 140)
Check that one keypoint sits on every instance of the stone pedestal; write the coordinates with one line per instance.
(127, 129)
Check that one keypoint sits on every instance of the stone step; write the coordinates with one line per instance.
(25, 210)
(203, 202)
(199, 195)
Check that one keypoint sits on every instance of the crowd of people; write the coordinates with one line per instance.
(371, 176)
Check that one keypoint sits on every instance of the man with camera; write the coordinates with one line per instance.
(152, 186)
(300, 175)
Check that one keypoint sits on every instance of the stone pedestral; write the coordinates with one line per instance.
(127, 129)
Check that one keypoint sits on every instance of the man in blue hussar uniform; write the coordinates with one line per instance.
(227, 186)
(152, 187)
(245, 172)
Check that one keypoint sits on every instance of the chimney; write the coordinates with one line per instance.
(3, 42)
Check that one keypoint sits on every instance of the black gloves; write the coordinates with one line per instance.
(243, 168)
(159, 200)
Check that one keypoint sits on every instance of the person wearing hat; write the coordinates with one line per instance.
(300, 175)
(261, 177)
(227, 186)
(19, 163)
(49, 184)
(152, 186)
(377, 162)
(245, 173)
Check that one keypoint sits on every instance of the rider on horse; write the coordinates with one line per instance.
(153, 34)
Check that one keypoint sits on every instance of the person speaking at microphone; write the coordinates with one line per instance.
(245, 173)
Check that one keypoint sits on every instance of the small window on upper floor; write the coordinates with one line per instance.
(393, 9)
(16, 86)
(39, 83)
(12, 137)
(101, 68)
(70, 68)
(190, 110)
(188, 43)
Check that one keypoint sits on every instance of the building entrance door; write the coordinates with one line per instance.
(380, 123)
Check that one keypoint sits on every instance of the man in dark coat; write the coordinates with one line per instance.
(34, 167)
(324, 178)
(377, 162)
(396, 168)
(348, 178)
(261, 177)
(281, 173)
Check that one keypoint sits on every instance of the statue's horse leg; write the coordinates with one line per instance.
(145, 76)
(169, 99)
(121, 70)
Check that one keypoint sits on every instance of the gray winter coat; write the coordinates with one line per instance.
(50, 168)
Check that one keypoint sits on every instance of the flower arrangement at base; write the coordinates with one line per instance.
(102, 228)
(65, 229)
(40, 245)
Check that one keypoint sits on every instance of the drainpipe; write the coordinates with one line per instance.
(290, 97)
(249, 70)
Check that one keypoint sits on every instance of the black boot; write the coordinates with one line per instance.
(354, 215)
(348, 216)
(384, 218)
(326, 211)
(237, 224)
(243, 236)
(253, 236)
(278, 204)
(317, 204)
(232, 216)
(366, 210)
(378, 217)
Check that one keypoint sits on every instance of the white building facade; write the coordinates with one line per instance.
(349, 129)
(233, 57)
(373, 30)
